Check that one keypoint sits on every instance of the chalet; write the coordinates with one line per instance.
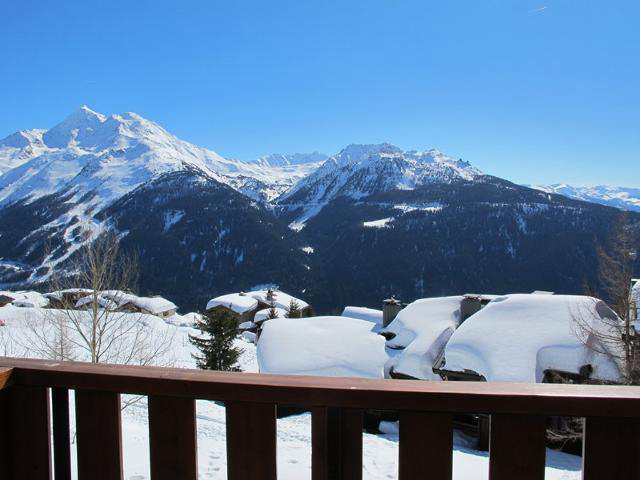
(26, 299)
(66, 298)
(5, 300)
(254, 305)
(88, 302)
(158, 306)
(240, 305)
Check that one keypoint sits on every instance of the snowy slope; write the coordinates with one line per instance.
(361, 170)
(619, 197)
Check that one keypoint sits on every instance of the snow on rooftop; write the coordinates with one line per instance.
(235, 302)
(422, 329)
(280, 299)
(363, 313)
(516, 337)
(103, 301)
(26, 298)
(328, 346)
(263, 315)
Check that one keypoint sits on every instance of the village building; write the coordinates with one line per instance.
(241, 306)
(24, 299)
(254, 306)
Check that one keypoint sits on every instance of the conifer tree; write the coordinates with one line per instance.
(217, 352)
(294, 309)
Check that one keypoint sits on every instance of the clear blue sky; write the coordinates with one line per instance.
(536, 91)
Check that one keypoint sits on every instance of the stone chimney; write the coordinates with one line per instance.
(390, 308)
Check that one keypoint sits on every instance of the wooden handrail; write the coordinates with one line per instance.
(480, 397)
(518, 418)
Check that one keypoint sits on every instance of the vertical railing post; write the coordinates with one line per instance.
(426, 445)
(517, 447)
(336, 437)
(611, 448)
(251, 441)
(99, 432)
(172, 438)
(25, 433)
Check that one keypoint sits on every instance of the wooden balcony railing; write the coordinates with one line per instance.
(518, 419)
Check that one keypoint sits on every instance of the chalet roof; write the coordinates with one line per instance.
(422, 329)
(27, 298)
(234, 302)
(263, 315)
(326, 346)
(280, 299)
(515, 338)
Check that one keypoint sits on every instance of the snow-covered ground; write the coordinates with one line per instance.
(380, 452)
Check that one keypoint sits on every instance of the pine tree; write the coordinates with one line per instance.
(217, 352)
(273, 312)
(294, 309)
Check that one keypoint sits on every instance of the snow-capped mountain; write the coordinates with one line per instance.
(619, 197)
(366, 223)
(362, 170)
(108, 156)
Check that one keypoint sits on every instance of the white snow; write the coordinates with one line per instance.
(327, 346)
(308, 250)
(422, 329)
(280, 299)
(26, 298)
(263, 315)
(380, 452)
(619, 197)
(235, 302)
(171, 217)
(516, 337)
(363, 313)
(382, 223)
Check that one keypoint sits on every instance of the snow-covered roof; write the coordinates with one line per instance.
(280, 299)
(103, 301)
(153, 305)
(263, 315)
(363, 313)
(235, 302)
(516, 337)
(422, 329)
(326, 346)
(58, 294)
(26, 298)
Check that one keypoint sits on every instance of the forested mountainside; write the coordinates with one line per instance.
(354, 228)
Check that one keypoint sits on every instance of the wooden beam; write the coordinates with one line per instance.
(611, 448)
(99, 435)
(426, 445)
(172, 438)
(251, 441)
(517, 447)
(61, 434)
(25, 428)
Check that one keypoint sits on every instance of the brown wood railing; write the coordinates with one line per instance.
(518, 419)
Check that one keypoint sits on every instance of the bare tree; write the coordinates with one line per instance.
(609, 330)
(90, 321)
